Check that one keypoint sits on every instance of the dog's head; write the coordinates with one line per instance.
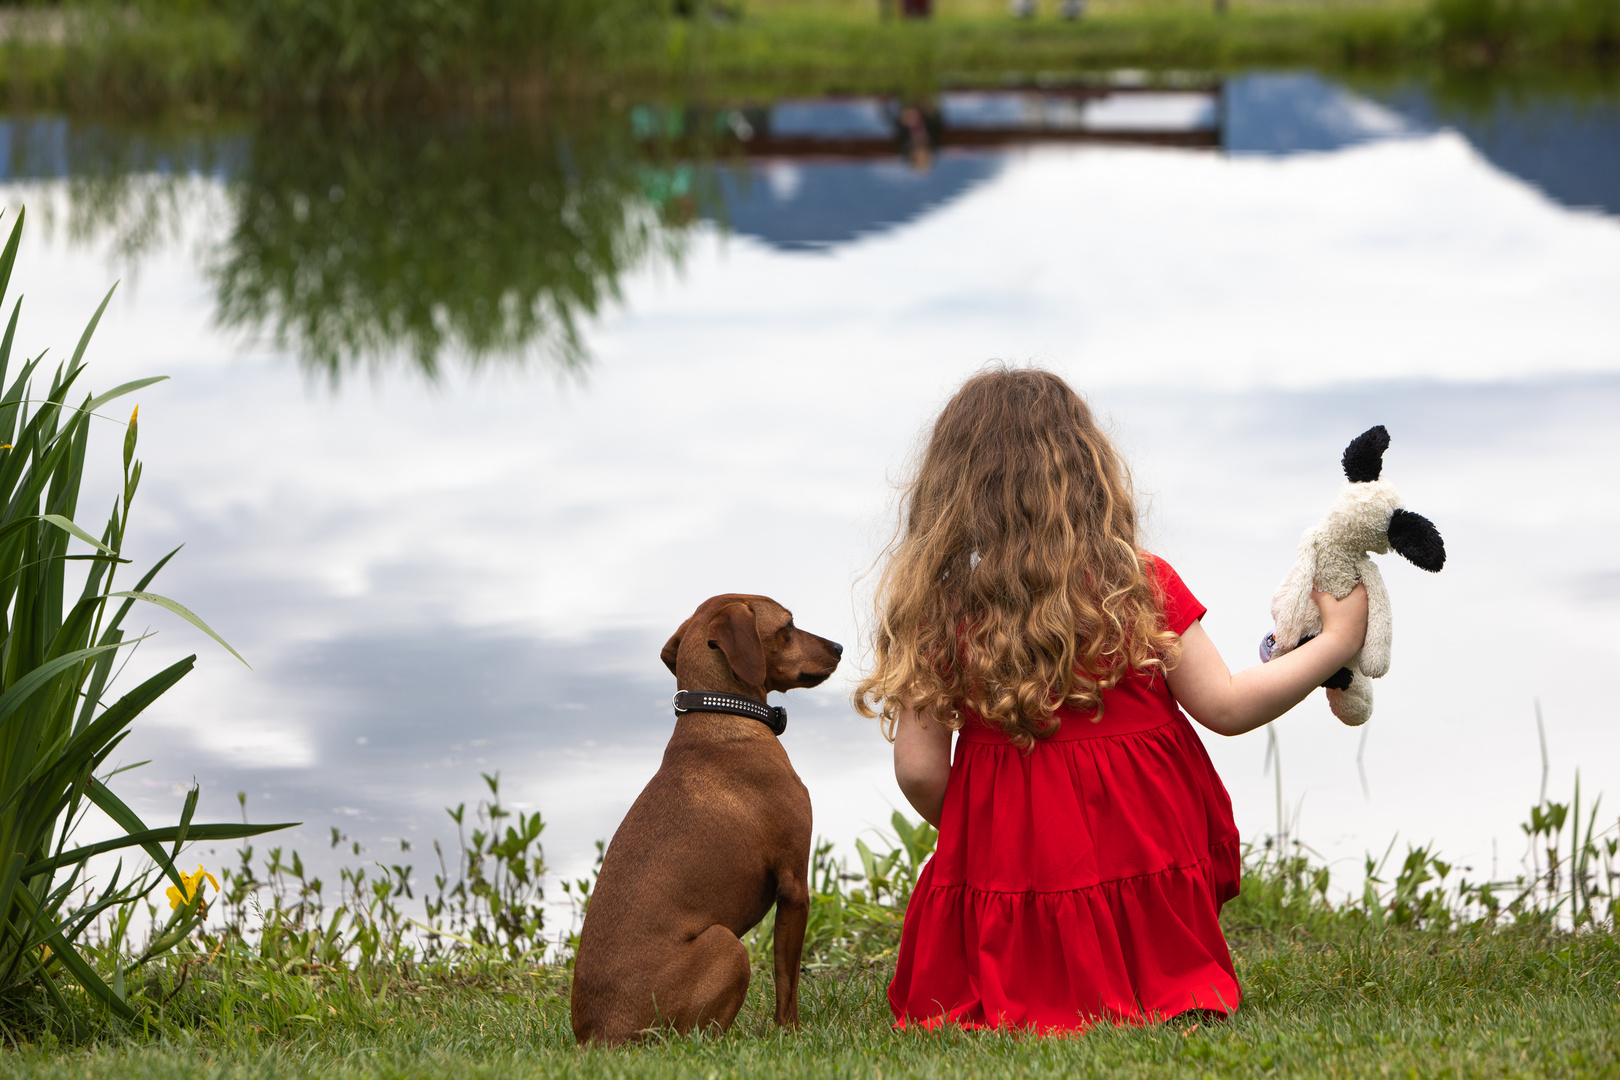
(747, 644)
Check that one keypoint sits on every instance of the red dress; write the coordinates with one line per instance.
(1080, 880)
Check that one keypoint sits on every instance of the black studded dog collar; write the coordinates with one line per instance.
(772, 716)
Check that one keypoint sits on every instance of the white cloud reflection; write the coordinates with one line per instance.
(410, 568)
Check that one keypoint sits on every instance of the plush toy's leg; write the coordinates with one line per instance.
(1353, 706)
(1374, 661)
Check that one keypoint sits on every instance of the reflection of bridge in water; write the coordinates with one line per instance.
(821, 172)
(877, 127)
(810, 174)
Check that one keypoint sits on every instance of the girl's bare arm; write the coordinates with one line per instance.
(1231, 704)
(922, 762)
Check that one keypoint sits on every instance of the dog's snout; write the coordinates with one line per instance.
(837, 649)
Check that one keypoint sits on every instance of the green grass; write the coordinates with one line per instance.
(1421, 975)
(291, 54)
(813, 51)
(1516, 1002)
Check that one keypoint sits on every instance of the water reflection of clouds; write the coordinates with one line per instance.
(1390, 260)
(813, 206)
(1569, 149)
(424, 569)
(1601, 587)
(1303, 113)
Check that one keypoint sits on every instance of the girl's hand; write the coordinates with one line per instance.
(1232, 704)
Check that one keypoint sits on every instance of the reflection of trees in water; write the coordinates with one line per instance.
(360, 246)
(387, 243)
(133, 191)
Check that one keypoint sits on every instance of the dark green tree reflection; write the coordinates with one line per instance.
(371, 246)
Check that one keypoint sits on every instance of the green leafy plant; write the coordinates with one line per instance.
(1282, 887)
(281, 920)
(56, 731)
(498, 900)
(1576, 879)
(490, 908)
(856, 917)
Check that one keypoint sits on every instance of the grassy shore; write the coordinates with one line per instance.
(205, 54)
(1352, 1003)
(782, 49)
(1421, 974)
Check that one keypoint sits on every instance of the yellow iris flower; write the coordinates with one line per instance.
(192, 883)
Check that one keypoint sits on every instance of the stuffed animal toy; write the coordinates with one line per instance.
(1333, 556)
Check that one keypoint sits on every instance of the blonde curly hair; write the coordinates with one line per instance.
(1014, 584)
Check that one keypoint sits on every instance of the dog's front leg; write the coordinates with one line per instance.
(792, 915)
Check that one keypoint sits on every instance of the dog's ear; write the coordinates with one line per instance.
(1415, 537)
(734, 632)
(672, 647)
(1363, 459)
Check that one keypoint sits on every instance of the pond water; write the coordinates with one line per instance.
(465, 418)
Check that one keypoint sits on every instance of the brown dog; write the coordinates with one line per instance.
(720, 833)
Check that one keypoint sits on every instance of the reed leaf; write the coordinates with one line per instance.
(185, 613)
(119, 391)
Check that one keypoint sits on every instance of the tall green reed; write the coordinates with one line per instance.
(56, 731)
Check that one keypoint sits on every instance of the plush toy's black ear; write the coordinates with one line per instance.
(1415, 537)
(1364, 458)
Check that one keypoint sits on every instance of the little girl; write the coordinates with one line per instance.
(1085, 843)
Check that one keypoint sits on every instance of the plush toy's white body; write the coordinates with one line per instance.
(1334, 556)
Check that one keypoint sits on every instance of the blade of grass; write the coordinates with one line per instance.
(69, 527)
(25, 687)
(119, 391)
(84, 338)
(164, 835)
(181, 610)
(8, 257)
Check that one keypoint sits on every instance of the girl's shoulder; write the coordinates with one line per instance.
(1181, 608)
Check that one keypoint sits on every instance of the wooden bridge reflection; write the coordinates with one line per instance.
(879, 127)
